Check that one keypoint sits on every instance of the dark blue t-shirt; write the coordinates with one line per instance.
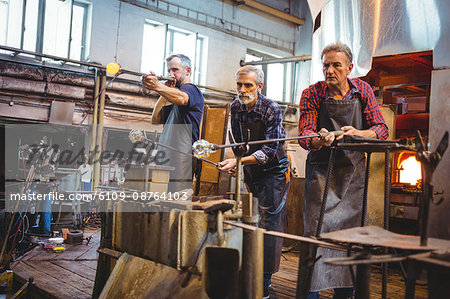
(191, 114)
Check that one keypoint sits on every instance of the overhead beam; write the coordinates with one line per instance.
(36, 113)
(277, 60)
(273, 11)
(417, 89)
(397, 57)
(425, 62)
(407, 79)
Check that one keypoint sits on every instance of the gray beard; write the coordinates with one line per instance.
(247, 100)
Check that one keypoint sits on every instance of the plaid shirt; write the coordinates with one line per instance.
(316, 93)
(265, 110)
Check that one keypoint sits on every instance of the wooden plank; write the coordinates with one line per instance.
(73, 252)
(95, 237)
(70, 253)
(388, 80)
(214, 127)
(394, 58)
(294, 212)
(63, 275)
(284, 282)
(90, 232)
(140, 278)
(47, 284)
(31, 254)
(78, 268)
(110, 252)
(43, 254)
(90, 264)
(91, 254)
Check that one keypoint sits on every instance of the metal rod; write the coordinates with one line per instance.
(139, 74)
(306, 262)
(98, 66)
(277, 60)
(325, 191)
(387, 189)
(289, 236)
(253, 263)
(362, 286)
(146, 178)
(237, 192)
(366, 188)
(350, 267)
(427, 192)
(16, 50)
(94, 121)
(99, 136)
(184, 153)
(220, 228)
(336, 133)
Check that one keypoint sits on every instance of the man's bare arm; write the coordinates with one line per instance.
(349, 130)
(171, 94)
(156, 115)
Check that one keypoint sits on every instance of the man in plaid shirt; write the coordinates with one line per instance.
(266, 167)
(338, 103)
(265, 110)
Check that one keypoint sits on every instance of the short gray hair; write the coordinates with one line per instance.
(185, 61)
(259, 78)
(338, 47)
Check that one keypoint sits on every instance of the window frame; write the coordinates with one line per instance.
(287, 68)
(198, 62)
(84, 53)
(40, 28)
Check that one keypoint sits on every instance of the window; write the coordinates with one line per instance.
(55, 27)
(175, 41)
(277, 77)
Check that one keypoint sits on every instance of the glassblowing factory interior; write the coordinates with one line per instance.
(103, 194)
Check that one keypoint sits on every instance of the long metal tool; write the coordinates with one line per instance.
(429, 161)
(319, 135)
(140, 136)
(114, 68)
(184, 153)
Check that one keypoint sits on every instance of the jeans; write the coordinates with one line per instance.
(267, 279)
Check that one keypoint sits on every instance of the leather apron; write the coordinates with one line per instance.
(178, 135)
(270, 184)
(344, 202)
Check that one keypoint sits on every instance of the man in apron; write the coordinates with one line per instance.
(338, 103)
(266, 167)
(180, 109)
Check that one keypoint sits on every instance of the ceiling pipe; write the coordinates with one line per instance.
(277, 60)
(55, 58)
(273, 11)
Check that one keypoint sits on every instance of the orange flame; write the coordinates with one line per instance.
(410, 171)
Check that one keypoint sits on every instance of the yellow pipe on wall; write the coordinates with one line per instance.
(99, 137)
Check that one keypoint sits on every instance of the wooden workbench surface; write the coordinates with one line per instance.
(68, 274)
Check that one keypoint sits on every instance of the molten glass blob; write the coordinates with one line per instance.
(113, 68)
(202, 149)
(136, 135)
(410, 171)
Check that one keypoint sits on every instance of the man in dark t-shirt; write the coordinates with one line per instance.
(178, 92)
(180, 109)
